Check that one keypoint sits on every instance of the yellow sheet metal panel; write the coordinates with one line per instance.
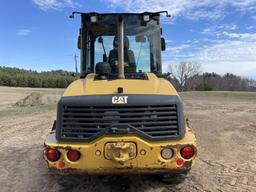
(94, 164)
(90, 86)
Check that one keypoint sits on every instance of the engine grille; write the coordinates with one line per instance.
(87, 122)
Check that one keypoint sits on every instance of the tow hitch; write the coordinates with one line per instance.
(120, 151)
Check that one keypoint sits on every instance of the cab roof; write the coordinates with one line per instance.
(120, 14)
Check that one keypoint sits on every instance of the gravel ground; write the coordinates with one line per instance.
(225, 130)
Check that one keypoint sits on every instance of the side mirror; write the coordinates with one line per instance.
(79, 42)
(163, 44)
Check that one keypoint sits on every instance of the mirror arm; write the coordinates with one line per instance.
(104, 48)
(72, 16)
(166, 12)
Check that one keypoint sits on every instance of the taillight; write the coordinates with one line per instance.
(73, 155)
(179, 162)
(187, 152)
(52, 154)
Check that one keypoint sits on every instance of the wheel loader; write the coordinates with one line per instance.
(120, 117)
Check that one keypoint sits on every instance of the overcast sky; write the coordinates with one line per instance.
(221, 35)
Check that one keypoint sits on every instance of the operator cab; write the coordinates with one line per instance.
(112, 44)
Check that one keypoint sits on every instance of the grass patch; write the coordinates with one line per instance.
(13, 111)
(240, 95)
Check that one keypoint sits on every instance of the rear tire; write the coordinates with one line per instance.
(69, 181)
(174, 178)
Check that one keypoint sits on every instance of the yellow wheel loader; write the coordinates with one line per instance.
(120, 117)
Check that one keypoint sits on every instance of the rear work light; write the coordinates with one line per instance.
(187, 152)
(52, 154)
(73, 155)
(167, 153)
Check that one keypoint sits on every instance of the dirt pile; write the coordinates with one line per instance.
(35, 99)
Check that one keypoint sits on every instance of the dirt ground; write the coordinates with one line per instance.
(224, 124)
(9, 96)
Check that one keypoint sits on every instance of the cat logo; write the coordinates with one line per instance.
(119, 99)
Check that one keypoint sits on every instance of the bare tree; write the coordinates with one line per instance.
(184, 70)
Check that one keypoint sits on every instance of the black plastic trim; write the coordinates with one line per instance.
(120, 128)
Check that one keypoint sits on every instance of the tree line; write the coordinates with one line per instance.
(15, 77)
(184, 76)
(188, 76)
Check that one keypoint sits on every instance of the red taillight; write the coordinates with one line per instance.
(73, 155)
(52, 154)
(187, 152)
(179, 162)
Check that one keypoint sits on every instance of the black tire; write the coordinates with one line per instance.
(174, 178)
(69, 181)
